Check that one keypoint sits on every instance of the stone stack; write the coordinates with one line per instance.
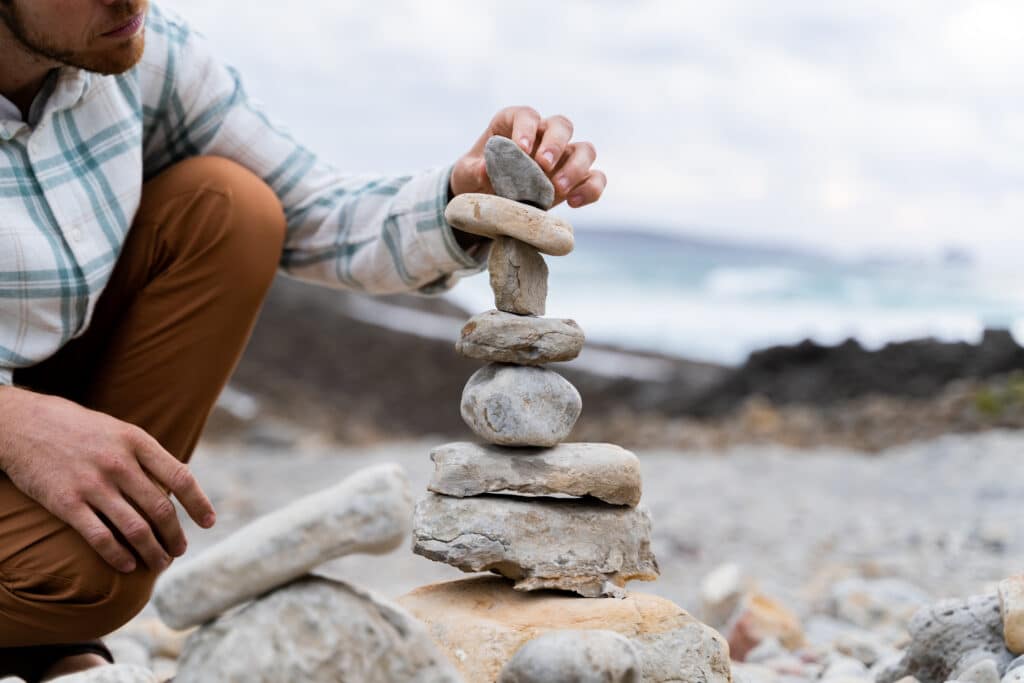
(573, 521)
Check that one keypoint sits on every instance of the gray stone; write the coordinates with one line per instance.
(490, 216)
(870, 603)
(590, 548)
(984, 671)
(574, 656)
(513, 405)
(505, 338)
(366, 513)
(128, 651)
(949, 637)
(599, 470)
(519, 277)
(315, 631)
(1013, 676)
(514, 175)
(116, 673)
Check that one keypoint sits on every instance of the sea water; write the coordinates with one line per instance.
(719, 301)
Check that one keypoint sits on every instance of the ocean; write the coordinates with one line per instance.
(718, 301)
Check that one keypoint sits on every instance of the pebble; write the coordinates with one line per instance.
(366, 513)
(984, 671)
(760, 617)
(515, 175)
(512, 405)
(506, 338)
(599, 470)
(592, 656)
(871, 602)
(1011, 606)
(721, 592)
(519, 277)
(586, 547)
(490, 216)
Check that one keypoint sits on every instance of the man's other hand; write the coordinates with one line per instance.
(104, 477)
(549, 142)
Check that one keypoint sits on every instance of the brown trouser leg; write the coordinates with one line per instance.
(167, 333)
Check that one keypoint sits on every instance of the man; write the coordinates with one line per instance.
(145, 205)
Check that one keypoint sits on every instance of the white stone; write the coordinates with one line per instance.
(984, 671)
(368, 512)
(115, 673)
(593, 656)
(490, 216)
(721, 592)
(128, 651)
(525, 340)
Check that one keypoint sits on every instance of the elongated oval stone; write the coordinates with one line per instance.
(514, 405)
(506, 338)
(514, 175)
(490, 216)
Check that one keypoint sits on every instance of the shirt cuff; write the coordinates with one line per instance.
(6, 377)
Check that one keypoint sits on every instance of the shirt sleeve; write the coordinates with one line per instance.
(6, 377)
(372, 233)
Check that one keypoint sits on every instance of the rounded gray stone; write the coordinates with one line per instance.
(574, 656)
(513, 405)
(514, 175)
(525, 340)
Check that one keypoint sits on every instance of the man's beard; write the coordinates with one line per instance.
(115, 60)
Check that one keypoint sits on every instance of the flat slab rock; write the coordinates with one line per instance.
(502, 337)
(600, 470)
(490, 216)
(480, 624)
(315, 631)
(515, 175)
(585, 547)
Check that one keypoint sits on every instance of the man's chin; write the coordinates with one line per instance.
(116, 61)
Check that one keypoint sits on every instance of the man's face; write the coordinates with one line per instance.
(77, 32)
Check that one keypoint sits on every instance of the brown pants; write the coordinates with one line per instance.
(167, 333)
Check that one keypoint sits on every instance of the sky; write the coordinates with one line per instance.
(849, 126)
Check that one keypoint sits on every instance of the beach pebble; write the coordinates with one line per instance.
(1011, 606)
(840, 666)
(984, 671)
(515, 175)
(513, 405)
(760, 617)
(871, 602)
(366, 513)
(592, 656)
(316, 631)
(519, 277)
(586, 547)
(506, 338)
(490, 216)
(115, 673)
(720, 593)
(1013, 676)
(600, 470)
(128, 651)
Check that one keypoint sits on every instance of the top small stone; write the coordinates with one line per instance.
(515, 175)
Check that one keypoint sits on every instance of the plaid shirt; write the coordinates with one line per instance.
(70, 185)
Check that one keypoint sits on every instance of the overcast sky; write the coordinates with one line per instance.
(849, 125)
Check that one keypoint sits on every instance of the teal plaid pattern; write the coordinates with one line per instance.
(70, 187)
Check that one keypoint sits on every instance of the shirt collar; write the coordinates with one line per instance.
(62, 89)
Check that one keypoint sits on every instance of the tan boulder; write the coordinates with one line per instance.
(481, 623)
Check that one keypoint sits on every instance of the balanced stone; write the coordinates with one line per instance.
(490, 216)
(506, 338)
(315, 631)
(480, 625)
(514, 175)
(600, 470)
(366, 513)
(589, 656)
(512, 405)
(519, 277)
(589, 548)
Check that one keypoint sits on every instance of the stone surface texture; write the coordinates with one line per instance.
(117, 673)
(506, 338)
(366, 513)
(514, 175)
(600, 470)
(759, 618)
(519, 277)
(480, 625)
(315, 631)
(589, 548)
(491, 216)
(949, 637)
(579, 656)
(512, 405)
(1011, 606)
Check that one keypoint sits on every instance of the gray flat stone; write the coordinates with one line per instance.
(525, 340)
(600, 470)
(490, 216)
(514, 175)
(589, 548)
(513, 405)
(519, 277)
(579, 656)
(366, 513)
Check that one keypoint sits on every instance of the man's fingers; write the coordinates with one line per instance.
(525, 122)
(155, 504)
(557, 133)
(575, 167)
(98, 535)
(176, 478)
(589, 191)
(135, 529)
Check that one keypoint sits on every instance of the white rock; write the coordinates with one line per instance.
(1013, 676)
(128, 651)
(579, 656)
(115, 673)
(502, 337)
(721, 592)
(315, 631)
(490, 216)
(870, 602)
(600, 470)
(984, 671)
(845, 666)
(368, 512)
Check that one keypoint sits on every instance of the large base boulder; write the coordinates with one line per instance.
(481, 623)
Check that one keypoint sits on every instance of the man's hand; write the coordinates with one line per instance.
(104, 477)
(548, 141)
